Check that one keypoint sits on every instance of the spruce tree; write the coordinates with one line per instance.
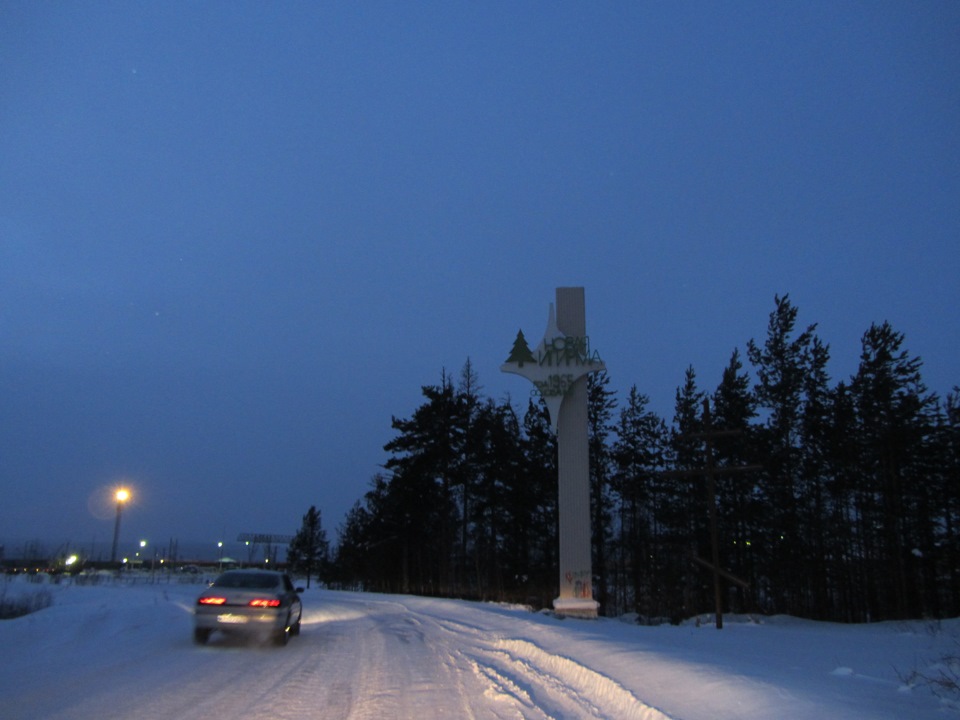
(309, 550)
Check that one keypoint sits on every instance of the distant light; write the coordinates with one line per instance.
(122, 495)
(70, 560)
(143, 543)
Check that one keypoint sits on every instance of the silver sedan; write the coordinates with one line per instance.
(254, 602)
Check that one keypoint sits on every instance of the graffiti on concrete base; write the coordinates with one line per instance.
(580, 582)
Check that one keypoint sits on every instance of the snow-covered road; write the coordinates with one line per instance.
(127, 652)
(358, 656)
(416, 661)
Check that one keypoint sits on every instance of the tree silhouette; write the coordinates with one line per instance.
(854, 516)
(309, 550)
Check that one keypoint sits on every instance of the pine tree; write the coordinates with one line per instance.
(685, 512)
(948, 542)
(427, 466)
(844, 512)
(642, 575)
(467, 476)
(349, 565)
(815, 481)
(600, 407)
(734, 407)
(894, 421)
(781, 367)
(309, 550)
(539, 471)
(499, 519)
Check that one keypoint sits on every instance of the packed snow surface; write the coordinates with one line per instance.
(126, 651)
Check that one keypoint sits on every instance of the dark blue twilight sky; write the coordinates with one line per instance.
(236, 238)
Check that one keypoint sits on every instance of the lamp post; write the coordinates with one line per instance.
(122, 496)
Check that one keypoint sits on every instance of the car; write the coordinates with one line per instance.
(250, 602)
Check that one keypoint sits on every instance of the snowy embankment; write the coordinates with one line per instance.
(125, 651)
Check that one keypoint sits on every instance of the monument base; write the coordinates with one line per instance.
(576, 607)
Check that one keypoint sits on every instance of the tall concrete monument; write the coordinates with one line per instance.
(558, 368)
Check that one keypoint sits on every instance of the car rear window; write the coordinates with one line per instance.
(253, 581)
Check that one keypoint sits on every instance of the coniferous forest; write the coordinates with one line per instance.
(833, 500)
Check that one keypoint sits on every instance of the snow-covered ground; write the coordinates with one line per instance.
(126, 651)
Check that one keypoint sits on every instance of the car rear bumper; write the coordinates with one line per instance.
(230, 619)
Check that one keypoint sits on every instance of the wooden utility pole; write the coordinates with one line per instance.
(709, 472)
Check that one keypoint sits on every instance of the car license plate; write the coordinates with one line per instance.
(231, 619)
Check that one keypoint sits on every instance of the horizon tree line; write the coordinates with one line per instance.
(850, 513)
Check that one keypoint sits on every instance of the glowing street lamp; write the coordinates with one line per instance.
(122, 496)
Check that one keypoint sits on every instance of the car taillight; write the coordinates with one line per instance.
(211, 601)
(272, 602)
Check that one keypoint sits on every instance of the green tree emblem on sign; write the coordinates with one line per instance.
(521, 351)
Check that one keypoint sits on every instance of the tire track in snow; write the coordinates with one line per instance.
(559, 678)
(546, 684)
